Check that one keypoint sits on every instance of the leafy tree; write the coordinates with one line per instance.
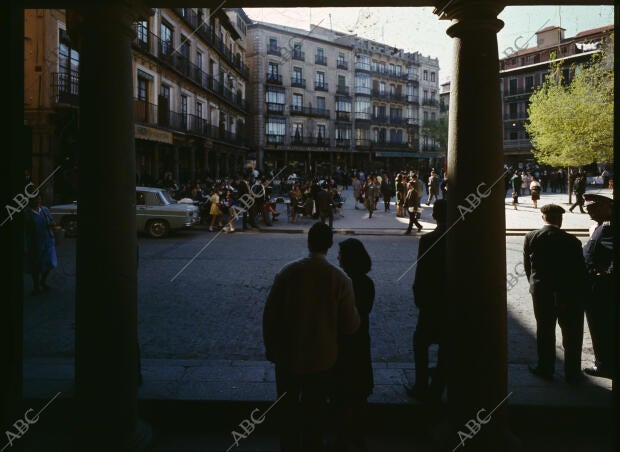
(571, 123)
(436, 130)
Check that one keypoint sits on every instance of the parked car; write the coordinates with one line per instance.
(157, 213)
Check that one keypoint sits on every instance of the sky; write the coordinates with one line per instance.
(418, 29)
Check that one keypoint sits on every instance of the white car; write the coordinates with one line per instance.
(157, 213)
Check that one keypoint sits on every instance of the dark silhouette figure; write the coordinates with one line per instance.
(428, 286)
(354, 378)
(600, 305)
(325, 205)
(40, 246)
(551, 257)
(310, 306)
(412, 206)
(579, 188)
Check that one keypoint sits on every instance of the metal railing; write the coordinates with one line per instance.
(65, 88)
(309, 111)
(298, 82)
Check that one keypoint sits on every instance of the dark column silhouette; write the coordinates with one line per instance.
(14, 155)
(476, 243)
(106, 363)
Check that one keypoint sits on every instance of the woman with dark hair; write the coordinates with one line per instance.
(354, 379)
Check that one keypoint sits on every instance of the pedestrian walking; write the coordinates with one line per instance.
(357, 191)
(535, 188)
(551, 257)
(325, 204)
(40, 244)
(310, 306)
(433, 188)
(412, 204)
(516, 182)
(579, 188)
(386, 191)
(400, 195)
(371, 194)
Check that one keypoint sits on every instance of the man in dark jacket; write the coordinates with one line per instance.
(579, 188)
(554, 265)
(325, 204)
(310, 306)
(412, 205)
(601, 305)
(428, 286)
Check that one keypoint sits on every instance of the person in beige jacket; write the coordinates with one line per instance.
(310, 306)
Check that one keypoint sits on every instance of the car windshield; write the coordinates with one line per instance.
(166, 198)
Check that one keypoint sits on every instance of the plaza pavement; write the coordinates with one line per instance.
(357, 222)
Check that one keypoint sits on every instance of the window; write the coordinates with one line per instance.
(381, 68)
(298, 133)
(362, 83)
(432, 116)
(513, 86)
(425, 116)
(340, 58)
(184, 47)
(392, 89)
(273, 44)
(142, 89)
(199, 109)
(275, 128)
(342, 81)
(362, 108)
(272, 71)
(320, 52)
(382, 88)
(320, 133)
(274, 97)
(392, 69)
(166, 39)
(398, 70)
(432, 76)
(529, 83)
(142, 33)
(320, 79)
(425, 95)
(320, 103)
(199, 60)
(298, 102)
(425, 75)
(164, 91)
(343, 104)
(68, 58)
(297, 75)
(184, 105)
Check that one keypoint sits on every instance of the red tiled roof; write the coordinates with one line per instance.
(551, 27)
(594, 31)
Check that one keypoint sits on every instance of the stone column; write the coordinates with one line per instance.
(106, 361)
(476, 273)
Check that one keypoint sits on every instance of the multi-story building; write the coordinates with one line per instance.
(325, 98)
(524, 70)
(301, 97)
(190, 80)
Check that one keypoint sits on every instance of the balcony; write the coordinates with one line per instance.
(298, 140)
(380, 119)
(363, 90)
(413, 77)
(526, 92)
(65, 89)
(320, 59)
(274, 79)
(343, 116)
(342, 142)
(386, 144)
(189, 16)
(275, 108)
(320, 86)
(298, 55)
(362, 144)
(156, 115)
(342, 64)
(309, 111)
(430, 102)
(411, 121)
(362, 66)
(342, 89)
(398, 121)
(413, 99)
(274, 139)
(298, 82)
(515, 115)
(362, 116)
(277, 51)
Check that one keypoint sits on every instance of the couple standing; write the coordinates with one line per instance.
(316, 332)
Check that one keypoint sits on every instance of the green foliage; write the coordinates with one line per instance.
(437, 130)
(571, 124)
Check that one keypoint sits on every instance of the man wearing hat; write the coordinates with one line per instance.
(555, 267)
(600, 308)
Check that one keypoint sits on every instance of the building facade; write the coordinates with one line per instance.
(189, 91)
(523, 71)
(321, 99)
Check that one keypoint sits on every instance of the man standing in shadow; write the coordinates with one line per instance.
(310, 306)
(555, 267)
(428, 294)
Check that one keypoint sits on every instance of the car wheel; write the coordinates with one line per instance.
(157, 228)
(70, 225)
